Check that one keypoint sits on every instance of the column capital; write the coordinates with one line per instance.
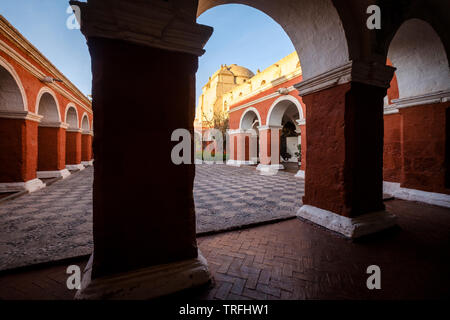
(301, 122)
(74, 130)
(150, 23)
(54, 125)
(269, 127)
(87, 132)
(21, 115)
(371, 73)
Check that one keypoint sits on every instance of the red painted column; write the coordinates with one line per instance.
(73, 149)
(144, 213)
(19, 151)
(303, 146)
(232, 147)
(345, 141)
(52, 151)
(243, 148)
(86, 148)
(264, 146)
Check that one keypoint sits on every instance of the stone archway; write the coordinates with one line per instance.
(18, 134)
(283, 110)
(51, 137)
(248, 137)
(73, 139)
(86, 141)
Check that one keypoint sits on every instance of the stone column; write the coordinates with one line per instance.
(86, 148)
(243, 148)
(269, 152)
(144, 60)
(52, 150)
(232, 147)
(73, 149)
(19, 151)
(343, 183)
(302, 142)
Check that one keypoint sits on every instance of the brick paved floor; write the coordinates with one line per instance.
(56, 222)
(294, 259)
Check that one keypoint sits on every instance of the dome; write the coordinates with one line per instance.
(239, 71)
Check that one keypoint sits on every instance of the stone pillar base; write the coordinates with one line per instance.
(147, 283)
(73, 167)
(350, 227)
(269, 167)
(395, 190)
(238, 163)
(300, 174)
(87, 163)
(53, 174)
(30, 186)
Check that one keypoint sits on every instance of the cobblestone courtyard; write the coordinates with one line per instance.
(56, 222)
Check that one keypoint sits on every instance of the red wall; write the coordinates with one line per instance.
(414, 147)
(424, 147)
(52, 149)
(73, 147)
(392, 155)
(86, 147)
(264, 106)
(18, 150)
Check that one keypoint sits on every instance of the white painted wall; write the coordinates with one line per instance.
(419, 56)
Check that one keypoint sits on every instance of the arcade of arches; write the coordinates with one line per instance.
(339, 105)
(45, 125)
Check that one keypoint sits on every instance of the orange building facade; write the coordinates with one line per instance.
(45, 121)
(415, 150)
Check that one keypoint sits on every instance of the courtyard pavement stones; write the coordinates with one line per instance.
(55, 222)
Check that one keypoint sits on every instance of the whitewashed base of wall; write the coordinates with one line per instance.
(87, 163)
(146, 283)
(349, 227)
(300, 174)
(30, 186)
(73, 167)
(53, 174)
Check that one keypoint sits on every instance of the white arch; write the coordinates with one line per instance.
(419, 56)
(314, 27)
(9, 68)
(41, 92)
(279, 106)
(85, 116)
(68, 107)
(243, 118)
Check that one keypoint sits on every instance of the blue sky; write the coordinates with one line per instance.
(242, 35)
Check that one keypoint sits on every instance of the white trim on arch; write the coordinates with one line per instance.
(254, 110)
(82, 118)
(52, 93)
(72, 105)
(290, 98)
(5, 64)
